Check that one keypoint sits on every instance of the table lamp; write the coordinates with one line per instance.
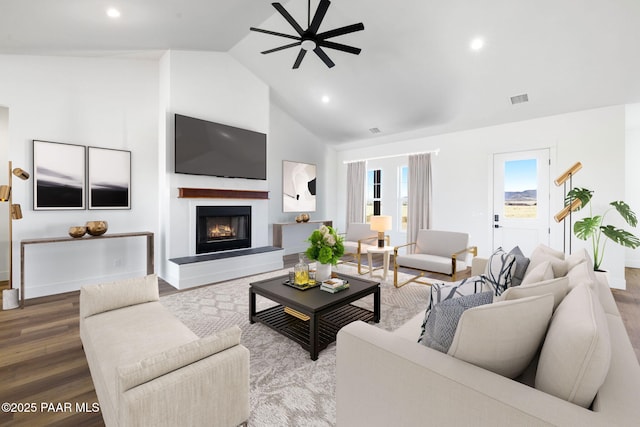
(380, 223)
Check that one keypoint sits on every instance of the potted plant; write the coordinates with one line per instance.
(593, 226)
(326, 248)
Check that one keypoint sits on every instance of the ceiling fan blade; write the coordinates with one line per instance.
(288, 17)
(281, 48)
(299, 58)
(340, 46)
(318, 50)
(341, 31)
(319, 16)
(273, 33)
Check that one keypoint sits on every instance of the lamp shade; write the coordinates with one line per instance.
(21, 173)
(568, 173)
(380, 223)
(575, 204)
(5, 193)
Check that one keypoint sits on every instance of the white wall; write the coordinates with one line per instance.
(632, 177)
(461, 171)
(210, 86)
(98, 102)
(4, 207)
(288, 140)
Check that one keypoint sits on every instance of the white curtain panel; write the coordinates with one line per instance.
(356, 177)
(419, 189)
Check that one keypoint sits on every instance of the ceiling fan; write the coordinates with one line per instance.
(310, 39)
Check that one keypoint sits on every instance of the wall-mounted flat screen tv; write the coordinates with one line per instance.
(214, 149)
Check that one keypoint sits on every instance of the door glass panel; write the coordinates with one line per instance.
(521, 189)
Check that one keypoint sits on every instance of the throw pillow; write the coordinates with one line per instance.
(499, 271)
(556, 287)
(503, 337)
(542, 271)
(445, 290)
(576, 353)
(544, 253)
(522, 262)
(443, 319)
(581, 273)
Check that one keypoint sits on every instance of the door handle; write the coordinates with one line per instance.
(496, 226)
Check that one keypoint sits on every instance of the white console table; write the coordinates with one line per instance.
(292, 236)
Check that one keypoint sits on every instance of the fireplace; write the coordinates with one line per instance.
(221, 228)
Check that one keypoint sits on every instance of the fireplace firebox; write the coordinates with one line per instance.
(221, 228)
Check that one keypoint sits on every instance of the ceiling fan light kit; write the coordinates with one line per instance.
(310, 39)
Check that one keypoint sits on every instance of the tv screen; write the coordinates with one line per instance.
(208, 148)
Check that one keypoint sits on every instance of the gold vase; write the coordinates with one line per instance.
(77, 231)
(97, 228)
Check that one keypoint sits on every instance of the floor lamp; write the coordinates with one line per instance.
(15, 212)
(570, 206)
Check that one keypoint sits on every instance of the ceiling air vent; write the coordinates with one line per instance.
(519, 99)
(375, 130)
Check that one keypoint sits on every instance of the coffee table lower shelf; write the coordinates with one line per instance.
(298, 330)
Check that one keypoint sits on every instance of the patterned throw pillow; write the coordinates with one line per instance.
(500, 269)
(445, 290)
(443, 320)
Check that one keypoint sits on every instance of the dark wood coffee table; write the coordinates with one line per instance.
(327, 312)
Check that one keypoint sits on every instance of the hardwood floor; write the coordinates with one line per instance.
(42, 361)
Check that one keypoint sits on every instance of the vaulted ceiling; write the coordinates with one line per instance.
(416, 72)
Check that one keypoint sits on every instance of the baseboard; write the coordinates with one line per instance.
(62, 287)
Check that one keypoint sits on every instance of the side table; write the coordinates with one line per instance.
(386, 254)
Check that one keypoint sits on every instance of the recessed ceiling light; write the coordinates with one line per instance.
(112, 12)
(476, 44)
(326, 99)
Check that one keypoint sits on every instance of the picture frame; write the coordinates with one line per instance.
(109, 178)
(298, 186)
(59, 176)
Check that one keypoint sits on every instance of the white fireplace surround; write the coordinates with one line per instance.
(187, 275)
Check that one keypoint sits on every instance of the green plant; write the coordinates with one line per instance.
(592, 226)
(326, 245)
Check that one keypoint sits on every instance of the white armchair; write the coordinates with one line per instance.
(436, 251)
(358, 238)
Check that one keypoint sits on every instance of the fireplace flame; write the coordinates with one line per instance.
(221, 230)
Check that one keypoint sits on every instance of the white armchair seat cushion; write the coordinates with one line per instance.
(352, 247)
(435, 263)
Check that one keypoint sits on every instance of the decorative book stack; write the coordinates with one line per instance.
(334, 285)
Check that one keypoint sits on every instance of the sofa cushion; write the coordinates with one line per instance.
(503, 337)
(151, 367)
(576, 353)
(582, 274)
(500, 269)
(96, 299)
(443, 291)
(522, 262)
(544, 253)
(539, 273)
(556, 287)
(443, 320)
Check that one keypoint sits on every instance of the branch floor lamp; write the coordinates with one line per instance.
(15, 212)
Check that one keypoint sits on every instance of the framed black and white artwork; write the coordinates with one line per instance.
(109, 178)
(59, 180)
(298, 187)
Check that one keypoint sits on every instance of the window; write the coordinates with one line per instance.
(374, 193)
(403, 197)
(520, 189)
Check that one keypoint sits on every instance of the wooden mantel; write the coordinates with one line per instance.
(215, 193)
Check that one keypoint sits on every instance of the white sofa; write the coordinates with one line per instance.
(149, 369)
(387, 378)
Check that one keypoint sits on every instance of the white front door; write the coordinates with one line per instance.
(521, 200)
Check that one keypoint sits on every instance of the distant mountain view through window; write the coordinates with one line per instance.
(520, 189)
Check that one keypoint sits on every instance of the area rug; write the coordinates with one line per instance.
(287, 388)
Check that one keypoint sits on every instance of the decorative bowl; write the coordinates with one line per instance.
(299, 218)
(77, 231)
(305, 217)
(97, 228)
